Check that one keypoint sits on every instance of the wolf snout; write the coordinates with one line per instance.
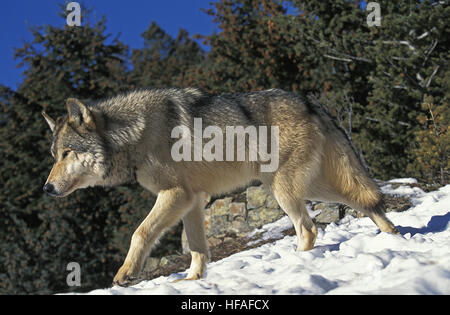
(49, 189)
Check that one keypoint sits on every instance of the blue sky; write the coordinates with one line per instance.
(129, 18)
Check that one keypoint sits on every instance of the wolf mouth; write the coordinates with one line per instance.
(64, 193)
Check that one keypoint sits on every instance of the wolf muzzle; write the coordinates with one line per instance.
(50, 189)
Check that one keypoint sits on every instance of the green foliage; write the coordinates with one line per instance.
(257, 48)
(378, 74)
(74, 61)
(41, 235)
(432, 144)
(410, 52)
(164, 61)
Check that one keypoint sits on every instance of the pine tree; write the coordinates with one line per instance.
(41, 235)
(164, 61)
(411, 53)
(372, 78)
(379, 73)
(256, 48)
(431, 152)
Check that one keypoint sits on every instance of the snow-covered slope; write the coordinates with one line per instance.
(351, 257)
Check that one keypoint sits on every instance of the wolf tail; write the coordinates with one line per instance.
(350, 179)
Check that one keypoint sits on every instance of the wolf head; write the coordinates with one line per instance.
(77, 148)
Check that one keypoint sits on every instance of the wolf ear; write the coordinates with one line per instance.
(79, 113)
(49, 120)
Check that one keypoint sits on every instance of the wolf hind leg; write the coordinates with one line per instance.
(377, 215)
(352, 186)
(304, 227)
(368, 200)
(362, 194)
(194, 225)
(295, 208)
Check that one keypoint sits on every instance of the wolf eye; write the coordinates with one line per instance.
(65, 153)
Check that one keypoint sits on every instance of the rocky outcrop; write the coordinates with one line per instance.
(237, 215)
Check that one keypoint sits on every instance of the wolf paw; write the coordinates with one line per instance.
(395, 231)
(124, 278)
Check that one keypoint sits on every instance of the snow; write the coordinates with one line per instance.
(271, 231)
(403, 181)
(351, 257)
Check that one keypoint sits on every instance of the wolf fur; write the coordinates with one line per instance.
(128, 138)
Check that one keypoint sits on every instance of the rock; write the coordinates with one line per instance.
(262, 208)
(151, 264)
(329, 212)
(259, 217)
(221, 206)
(397, 203)
(238, 209)
(213, 241)
(166, 260)
(239, 225)
(245, 210)
(219, 225)
(256, 197)
(271, 203)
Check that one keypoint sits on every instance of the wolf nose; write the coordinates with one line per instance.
(49, 188)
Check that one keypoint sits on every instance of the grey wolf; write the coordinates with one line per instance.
(128, 138)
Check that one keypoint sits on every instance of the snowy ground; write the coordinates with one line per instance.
(351, 257)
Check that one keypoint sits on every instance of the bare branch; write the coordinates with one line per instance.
(344, 57)
(399, 58)
(429, 51)
(426, 33)
(419, 78)
(401, 87)
(401, 42)
(337, 58)
(431, 77)
(386, 122)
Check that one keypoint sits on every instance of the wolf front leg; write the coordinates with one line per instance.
(194, 225)
(169, 208)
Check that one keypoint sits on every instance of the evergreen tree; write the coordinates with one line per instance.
(41, 235)
(257, 48)
(411, 53)
(385, 71)
(430, 155)
(164, 61)
(373, 79)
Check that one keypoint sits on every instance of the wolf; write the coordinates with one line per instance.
(128, 138)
